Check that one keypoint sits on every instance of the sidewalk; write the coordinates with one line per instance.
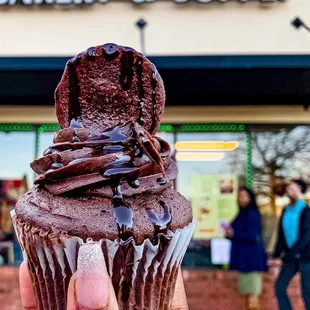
(206, 290)
(217, 290)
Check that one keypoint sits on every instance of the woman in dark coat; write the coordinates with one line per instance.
(248, 255)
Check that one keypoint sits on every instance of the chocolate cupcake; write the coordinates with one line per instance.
(109, 179)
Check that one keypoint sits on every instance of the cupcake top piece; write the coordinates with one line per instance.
(106, 174)
(107, 86)
(109, 103)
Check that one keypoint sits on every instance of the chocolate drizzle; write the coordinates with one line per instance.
(122, 210)
(154, 104)
(122, 213)
(161, 181)
(139, 69)
(110, 149)
(114, 136)
(161, 224)
(90, 53)
(48, 151)
(110, 51)
(135, 183)
(125, 172)
(75, 124)
(57, 165)
(116, 172)
(74, 104)
(126, 68)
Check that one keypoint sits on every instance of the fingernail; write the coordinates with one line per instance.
(91, 278)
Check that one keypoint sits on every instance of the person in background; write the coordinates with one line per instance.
(248, 255)
(292, 249)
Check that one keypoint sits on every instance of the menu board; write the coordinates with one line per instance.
(214, 203)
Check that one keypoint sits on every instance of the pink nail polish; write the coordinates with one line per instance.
(92, 280)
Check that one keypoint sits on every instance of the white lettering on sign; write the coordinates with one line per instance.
(80, 2)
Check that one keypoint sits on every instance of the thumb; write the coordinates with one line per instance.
(90, 287)
(179, 301)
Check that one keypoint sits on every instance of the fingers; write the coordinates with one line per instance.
(26, 288)
(179, 301)
(90, 287)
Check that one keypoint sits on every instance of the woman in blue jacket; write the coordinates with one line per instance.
(248, 255)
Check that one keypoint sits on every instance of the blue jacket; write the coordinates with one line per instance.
(301, 249)
(248, 253)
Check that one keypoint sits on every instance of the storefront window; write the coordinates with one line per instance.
(45, 140)
(233, 162)
(17, 152)
(278, 156)
(209, 175)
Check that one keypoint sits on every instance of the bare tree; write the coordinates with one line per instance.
(237, 159)
(278, 156)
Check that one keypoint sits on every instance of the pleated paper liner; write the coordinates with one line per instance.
(143, 276)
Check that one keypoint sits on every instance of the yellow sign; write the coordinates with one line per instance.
(214, 202)
(206, 145)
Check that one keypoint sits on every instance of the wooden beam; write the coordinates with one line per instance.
(27, 114)
(238, 114)
(180, 115)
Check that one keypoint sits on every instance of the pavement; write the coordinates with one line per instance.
(217, 290)
(206, 290)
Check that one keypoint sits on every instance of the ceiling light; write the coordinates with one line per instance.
(199, 156)
(206, 145)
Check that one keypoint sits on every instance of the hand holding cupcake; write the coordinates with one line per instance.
(106, 179)
(90, 286)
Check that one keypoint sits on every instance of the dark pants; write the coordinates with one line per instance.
(287, 273)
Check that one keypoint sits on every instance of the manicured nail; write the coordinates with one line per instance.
(92, 280)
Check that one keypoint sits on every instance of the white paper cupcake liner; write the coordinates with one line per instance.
(143, 275)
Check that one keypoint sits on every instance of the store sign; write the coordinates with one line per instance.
(83, 2)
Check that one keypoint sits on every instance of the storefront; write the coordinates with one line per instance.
(237, 77)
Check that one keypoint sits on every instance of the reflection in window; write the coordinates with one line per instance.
(16, 154)
(279, 155)
(230, 162)
(209, 175)
(15, 174)
(46, 139)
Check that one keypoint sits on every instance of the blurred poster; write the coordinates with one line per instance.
(214, 202)
(10, 191)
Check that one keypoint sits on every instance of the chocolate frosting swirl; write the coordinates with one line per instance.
(109, 103)
(92, 164)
